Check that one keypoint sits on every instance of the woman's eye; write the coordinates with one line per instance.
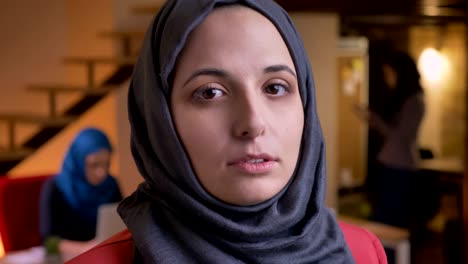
(276, 89)
(208, 93)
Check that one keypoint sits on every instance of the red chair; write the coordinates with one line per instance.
(19, 212)
(364, 245)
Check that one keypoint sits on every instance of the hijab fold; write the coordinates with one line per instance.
(171, 217)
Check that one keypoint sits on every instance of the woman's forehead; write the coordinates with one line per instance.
(235, 35)
(236, 18)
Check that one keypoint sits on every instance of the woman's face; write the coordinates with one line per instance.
(97, 166)
(236, 106)
(390, 76)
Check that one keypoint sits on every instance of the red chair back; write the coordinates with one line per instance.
(19, 212)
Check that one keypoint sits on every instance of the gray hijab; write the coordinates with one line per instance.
(171, 217)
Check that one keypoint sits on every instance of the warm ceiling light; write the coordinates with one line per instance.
(431, 11)
(432, 65)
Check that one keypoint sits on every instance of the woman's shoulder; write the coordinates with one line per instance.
(116, 250)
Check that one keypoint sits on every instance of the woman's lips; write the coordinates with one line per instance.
(254, 168)
(254, 164)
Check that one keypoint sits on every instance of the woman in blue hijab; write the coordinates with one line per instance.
(70, 200)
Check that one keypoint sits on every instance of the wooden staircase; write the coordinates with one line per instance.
(146, 9)
(91, 93)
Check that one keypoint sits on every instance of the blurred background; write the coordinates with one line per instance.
(66, 65)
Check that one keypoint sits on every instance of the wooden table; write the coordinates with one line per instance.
(449, 172)
(34, 255)
(453, 167)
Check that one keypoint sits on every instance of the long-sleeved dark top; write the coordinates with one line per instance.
(58, 218)
(399, 149)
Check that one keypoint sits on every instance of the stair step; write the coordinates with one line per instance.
(90, 64)
(17, 154)
(122, 34)
(36, 119)
(64, 88)
(146, 9)
(100, 60)
(127, 38)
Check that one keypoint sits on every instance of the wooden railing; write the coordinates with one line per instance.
(129, 41)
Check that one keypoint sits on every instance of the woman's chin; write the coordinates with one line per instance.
(249, 196)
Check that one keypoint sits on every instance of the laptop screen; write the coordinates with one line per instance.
(108, 222)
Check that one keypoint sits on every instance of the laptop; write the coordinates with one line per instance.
(108, 222)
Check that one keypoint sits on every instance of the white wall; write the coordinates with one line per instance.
(443, 129)
(124, 18)
(130, 177)
(320, 36)
(35, 37)
(84, 23)
(32, 43)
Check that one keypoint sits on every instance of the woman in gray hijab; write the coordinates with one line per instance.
(225, 132)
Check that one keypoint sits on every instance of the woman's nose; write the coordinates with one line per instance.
(101, 172)
(249, 118)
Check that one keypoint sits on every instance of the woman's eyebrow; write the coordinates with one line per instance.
(279, 67)
(207, 71)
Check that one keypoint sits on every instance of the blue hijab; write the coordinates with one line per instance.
(72, 182)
